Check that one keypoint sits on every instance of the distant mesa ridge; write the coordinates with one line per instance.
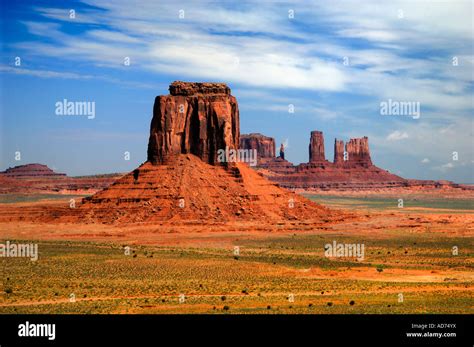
(31, 170)
(352, 167)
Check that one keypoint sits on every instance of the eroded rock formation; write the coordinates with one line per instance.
(352, 168)
(338, 152)
(316, 147)
(181, 181)
(282, 151)
(358, 152)
(196, 118)
(264, 145)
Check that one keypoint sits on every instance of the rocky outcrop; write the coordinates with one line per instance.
(352, 168)
(316, 147)
(196, 118)
(264, 145)
(338, 152)
(282, 151)
(358, 152)
(181, 181)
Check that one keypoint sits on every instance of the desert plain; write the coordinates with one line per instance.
(418, 259)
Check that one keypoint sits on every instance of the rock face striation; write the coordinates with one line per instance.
(182, 179)
(195, 118)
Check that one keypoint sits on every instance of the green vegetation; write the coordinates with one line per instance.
(105, 280)
(422, 204)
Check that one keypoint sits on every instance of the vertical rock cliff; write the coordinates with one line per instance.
(196, 118)
(264, 145)
(338, 152)
(358, 152)
(316, 147)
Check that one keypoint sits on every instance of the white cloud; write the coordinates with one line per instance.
(258, 46)
(448, 166)
(425, 161)
(397, 136)
(43, 73)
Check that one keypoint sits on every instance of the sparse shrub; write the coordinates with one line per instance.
(226, 308)
(329, 303)
(352, 303)
(8, 290)
(379, 268)
(223, 297)
(269, 307)
(310, 305)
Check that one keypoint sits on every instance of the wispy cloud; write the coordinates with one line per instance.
(419, 51)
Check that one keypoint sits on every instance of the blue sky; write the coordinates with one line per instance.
(335, 61)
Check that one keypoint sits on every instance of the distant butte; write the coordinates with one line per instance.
(351, 169)
(30, 170)
(40, 179)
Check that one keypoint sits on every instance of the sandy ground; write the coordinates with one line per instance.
(406, 267)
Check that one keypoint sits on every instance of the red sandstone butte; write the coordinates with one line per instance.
(338, 152)
(182, 181)
(316, 147)
(358, 152)
(353, 171)
(195, 118)
(264, 145)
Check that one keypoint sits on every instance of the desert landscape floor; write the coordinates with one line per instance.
(409, 264)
